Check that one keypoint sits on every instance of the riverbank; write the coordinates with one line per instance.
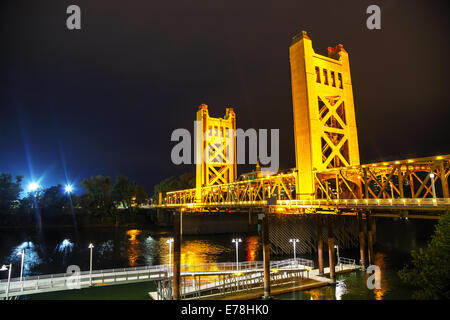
(80, 218)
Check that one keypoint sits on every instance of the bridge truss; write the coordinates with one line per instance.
(403, 185)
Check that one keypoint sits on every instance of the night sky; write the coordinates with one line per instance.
(105, 99)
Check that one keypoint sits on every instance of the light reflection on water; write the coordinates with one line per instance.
(31, 257)
(120, 248)
(65, 246)
(133, 247)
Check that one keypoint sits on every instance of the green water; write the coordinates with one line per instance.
(54, 250)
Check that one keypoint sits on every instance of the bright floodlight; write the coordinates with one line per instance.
(33, 186)
(169, 240)
(432, 175)
(91, 246)
(4, 268)
(237, 240)
(69, 188)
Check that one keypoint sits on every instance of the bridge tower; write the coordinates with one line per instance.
(215, 145)
(324, 114)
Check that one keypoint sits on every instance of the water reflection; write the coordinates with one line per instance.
(31, 256)
(252, 248)
(150, 248)
(133, 247)
(341, 289)
(65, 246)
(380, 262)
(106, 248)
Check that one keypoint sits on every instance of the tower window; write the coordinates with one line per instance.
(325, 76)
(317, 75)
(333, 80)
(340, 80)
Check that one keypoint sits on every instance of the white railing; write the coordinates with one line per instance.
(64, 281)
(346, 261)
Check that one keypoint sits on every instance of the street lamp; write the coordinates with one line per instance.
(432, 185)
(294, 241)
(21, 253)
(169, 242)
(68, 188)
(33, 186)
(337, 253)
(4, 268)
(236, 241)
(91, 246)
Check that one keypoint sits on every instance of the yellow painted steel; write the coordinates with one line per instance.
(215, 150)
(328, 177)
(324, 116)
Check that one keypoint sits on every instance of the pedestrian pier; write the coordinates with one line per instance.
(228, 282)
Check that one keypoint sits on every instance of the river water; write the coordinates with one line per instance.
(55, 249)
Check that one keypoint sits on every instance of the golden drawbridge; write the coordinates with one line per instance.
(328, 178)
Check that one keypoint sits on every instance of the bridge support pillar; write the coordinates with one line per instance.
(369, 222)
(362, 239)
(444, 183)
(176, 256)
(266, 255)
(331, 249)
(320, 244)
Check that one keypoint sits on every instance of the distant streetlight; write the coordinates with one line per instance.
(432, 185)
(169, 242)
(68, 188)
(236, 241)
(91, 246)
(294, 241)
(4, 268)
(337, 252)
(21, 253)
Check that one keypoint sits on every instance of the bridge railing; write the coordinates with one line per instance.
(427, 202)
(346, 261)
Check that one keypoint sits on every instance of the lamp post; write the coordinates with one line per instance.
(91, 246)
(432, 185)
(169, 242)
(294, 241)
(337, 252)
(236, 241)
(21, 253)
(4, 268)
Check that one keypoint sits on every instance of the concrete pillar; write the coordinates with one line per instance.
(176, 256)
(369, 238)
(362, 239)
(331, 248)
(320, 243)
(266, 255)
